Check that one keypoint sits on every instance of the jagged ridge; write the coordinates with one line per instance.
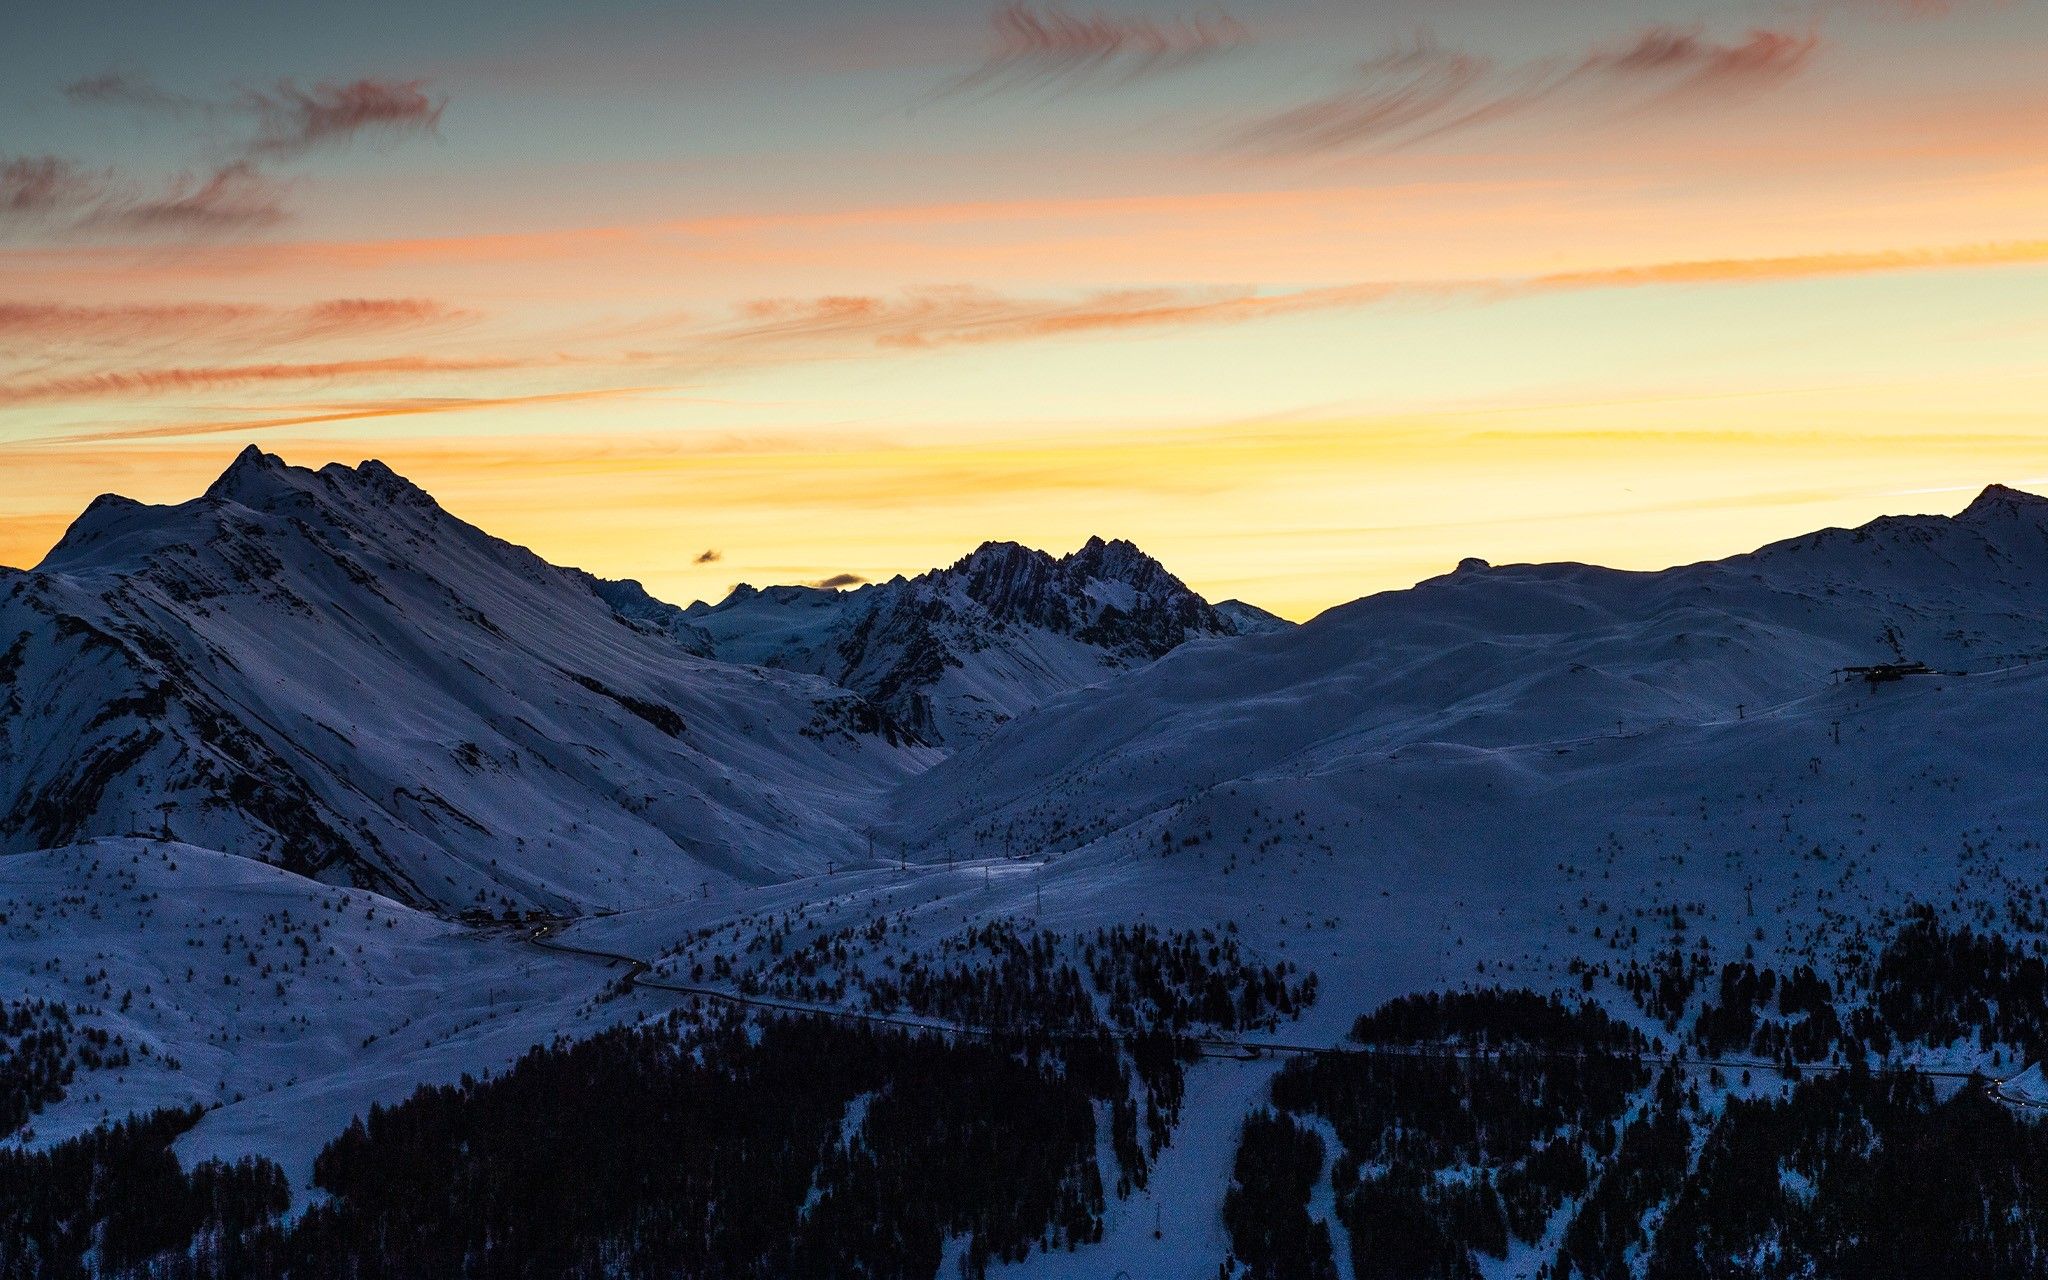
(956, 651)
(327, 671)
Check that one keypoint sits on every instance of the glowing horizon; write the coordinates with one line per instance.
(1306, 301)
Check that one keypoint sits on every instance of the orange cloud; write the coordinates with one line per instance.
(779, 331)
(56, 321)
(365, 411)
(959, 316)
(956, 316)
(141, 382)
(2015, 253)
(48, 323)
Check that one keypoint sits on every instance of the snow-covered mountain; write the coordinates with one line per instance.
(957, 651)
(1526, 673)
(631, 602)
(327, 671)
(1551, 776)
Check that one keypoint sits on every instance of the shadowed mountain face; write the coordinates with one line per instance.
(328, 671)
(958, 651)
(1544, 696)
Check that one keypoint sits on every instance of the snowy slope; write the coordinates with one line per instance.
(1249, 619)
(1525, 662)
(955, 652)
(327, 671)
(1791, 835)
(631, 602)
(283, 1005)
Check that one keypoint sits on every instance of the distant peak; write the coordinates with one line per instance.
(375, 477)
(1115, 558)
(102, 517)
(252, 460)
(1998, 500)
(252, 475)
(259, 480)
(108, 503)
(997, 560)
(1098, 546)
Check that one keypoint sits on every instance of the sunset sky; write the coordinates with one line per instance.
(1309, 298)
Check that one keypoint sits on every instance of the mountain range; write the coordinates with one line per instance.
(327, 671)
(1532, 674)
(275, 763)
(956, 652)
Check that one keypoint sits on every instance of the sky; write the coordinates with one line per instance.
(1309, 298)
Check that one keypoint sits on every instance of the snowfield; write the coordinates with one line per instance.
(288, 1005)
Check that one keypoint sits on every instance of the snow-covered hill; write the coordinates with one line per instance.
(282, 1005)
(1534, 670)
(327, 671)
(957, 651)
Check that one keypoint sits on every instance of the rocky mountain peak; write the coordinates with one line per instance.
(254, 479)
(2000, 502)
(1118, 560)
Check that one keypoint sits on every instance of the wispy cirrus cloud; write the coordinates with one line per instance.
(960, 315)
(356, 315)
(937, 318)
(64, 322)
(284, 118)
(323, 415)
(234, 197)
(54, 324)
(1035, 46)
(52, 191)
(41, 187)
(1811, 266)
(794, 331)
(130, 88)
(171, 379)
(294, 120)
(240, 193)
(1425, 89)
